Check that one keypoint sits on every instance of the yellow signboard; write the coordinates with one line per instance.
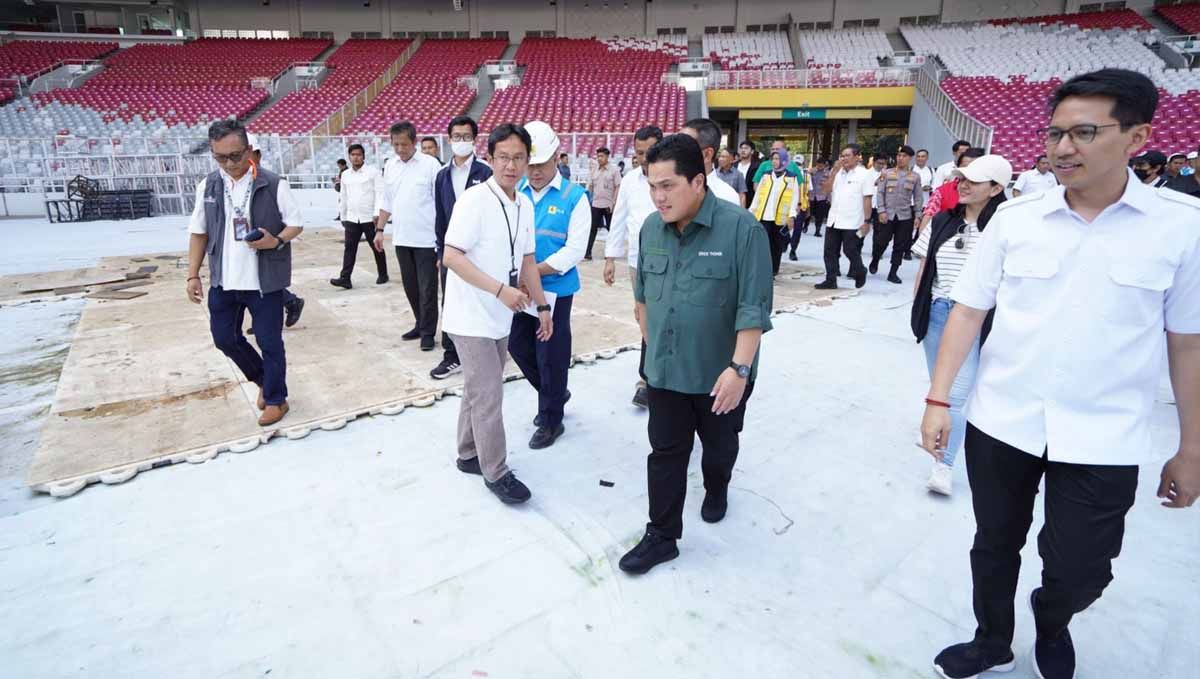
(827, 98)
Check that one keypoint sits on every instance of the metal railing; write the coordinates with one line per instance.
(811, 78)
(960, 124)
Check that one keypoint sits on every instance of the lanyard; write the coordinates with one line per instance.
(512, 237)
(238, 210)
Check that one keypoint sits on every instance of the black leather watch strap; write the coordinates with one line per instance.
(543, 307)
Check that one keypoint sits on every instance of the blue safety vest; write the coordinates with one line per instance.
(551, 218)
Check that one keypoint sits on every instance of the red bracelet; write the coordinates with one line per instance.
(931, 402)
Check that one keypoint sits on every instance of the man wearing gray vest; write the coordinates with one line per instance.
(244, 219)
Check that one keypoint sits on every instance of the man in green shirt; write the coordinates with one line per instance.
(704, 295)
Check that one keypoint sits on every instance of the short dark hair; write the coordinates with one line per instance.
(925, 151)
(405, 128)
(855, 148)
(747, 142)
(821, 161)
(458, 121)
(505, 131)
(1181, 156)
(972, 152)
(563, 155)
(1039, 159)
(352, 148)
(959, 144)
(906, 150)
(709, 133)
(223, 128)
(685, 151)
(604, 150)
(649, 132)
(425, 139)
(1135, 97)
(341, 161)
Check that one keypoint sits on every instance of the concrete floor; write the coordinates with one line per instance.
(364, 553)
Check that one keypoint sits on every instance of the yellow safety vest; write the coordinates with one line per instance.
(785, 198)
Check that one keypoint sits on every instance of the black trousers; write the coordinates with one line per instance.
(897, 232)
(1085, 523)
(777, 242)
(800, 224)
(675, 420)
(820, 212)
(449, 353)
(837, 242)
(544, 364)
(601, 217)
(418, 272)
(354, 233)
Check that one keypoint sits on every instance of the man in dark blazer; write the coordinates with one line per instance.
(464, 170)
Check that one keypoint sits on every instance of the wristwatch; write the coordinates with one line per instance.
(282, 242)
(543, 307)
(743, 371)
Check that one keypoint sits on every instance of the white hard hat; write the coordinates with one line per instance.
(987, 168)
(544, 144)
(252, 140)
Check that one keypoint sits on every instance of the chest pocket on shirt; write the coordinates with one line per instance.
(1136, 294)
(710, 286)
(654, 275)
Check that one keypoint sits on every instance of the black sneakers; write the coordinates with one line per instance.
(545, 437)
(873, 267)
(826, 285)
(445, 369)
(340, 283)
(470, 466)
(293, 309)
(640, 398)
(1052, 658)
(969, 660)
(861, 279)
(509, 489)
(651, 551)
(792, 256)
(893, 278)
(714, 507)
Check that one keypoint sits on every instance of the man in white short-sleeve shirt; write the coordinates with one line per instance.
(943, 172)
(708, 134)
(408, 201)
(493, 274)
(1085, 278)
(851, 192)
(1035, 180)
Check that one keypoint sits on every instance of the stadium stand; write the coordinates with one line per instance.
(749, 51)
(844, 48)
(427, 92)
(354, 65)
(589, 86)
(1119, 19)
(1186, 17)
(29, 57)
(1003, 76)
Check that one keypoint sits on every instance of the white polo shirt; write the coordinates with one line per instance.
(926, 180)
(408, 198)
(361, 195)
(1073, 360)
(846, 206)
(942, 174)
(721, 189)
(239, 261)
(1031, 182)
(634, 205)
(478, 228)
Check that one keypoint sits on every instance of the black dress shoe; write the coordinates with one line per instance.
(381, 280)
(509, 489)
(545, 437)
(340, 283)
(470, 466)
(792, 256)
(714, 507)
(893, 278)
(908, 256)
(651, 551)
(293, 312)
(860, 280)
(874, 267)
(427, 344)
(826, 285)
(411, 335)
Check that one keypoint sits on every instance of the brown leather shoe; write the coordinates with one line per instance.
(262, 404)
(273, 414)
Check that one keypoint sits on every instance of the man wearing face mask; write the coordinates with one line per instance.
(562, 220)
(462, 172)
(1149, 168)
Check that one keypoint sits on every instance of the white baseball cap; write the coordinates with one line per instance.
(544, 144)
(987, 168)
(1193, 155)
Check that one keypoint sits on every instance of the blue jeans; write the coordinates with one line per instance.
(226, 312)
(964, 382)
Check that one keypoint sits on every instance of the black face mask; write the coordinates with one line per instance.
(1142, 174)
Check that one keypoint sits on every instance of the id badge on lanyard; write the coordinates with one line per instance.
(512, 239)
(241, 225)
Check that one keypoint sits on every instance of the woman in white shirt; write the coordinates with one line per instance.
(943, 250)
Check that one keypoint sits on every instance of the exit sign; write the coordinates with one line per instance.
(803, 114)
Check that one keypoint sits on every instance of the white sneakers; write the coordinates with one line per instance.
(941, 479)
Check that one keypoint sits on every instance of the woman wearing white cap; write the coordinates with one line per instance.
(943, 250)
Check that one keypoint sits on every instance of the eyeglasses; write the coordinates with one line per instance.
(223, 158)
(502, 161)
(1080, 134)
(462, 137)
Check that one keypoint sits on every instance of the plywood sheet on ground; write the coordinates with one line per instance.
(143, 385)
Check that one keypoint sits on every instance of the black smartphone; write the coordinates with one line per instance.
(253, 235)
